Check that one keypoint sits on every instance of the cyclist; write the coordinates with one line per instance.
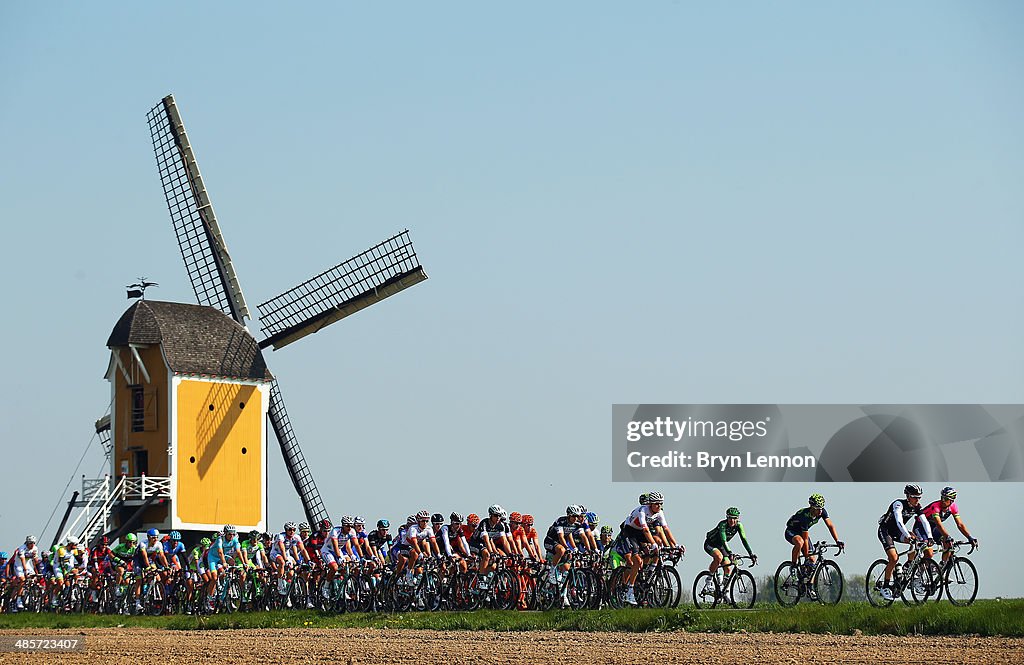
(559, 538)
(223, 553)
(337, 549)
(606, 545)
(716, 543)
(286, 551)
(362, 538)
(534, 544)
(315, 543)
(101, 558)
(635, 538)
(123, 554)
(26, 559)
(174, 550)
(585, 533)
(799, 524)
(196, 568)
(380, 541)
(148, 556)
(255, 555)
(523, 543)
(415, 543)
(494, 535)
(935, 513)
(892, 530)
(69, 560)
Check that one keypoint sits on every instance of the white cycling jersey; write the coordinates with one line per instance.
(283, 545)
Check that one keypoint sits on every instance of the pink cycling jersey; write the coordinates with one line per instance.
(935, 509)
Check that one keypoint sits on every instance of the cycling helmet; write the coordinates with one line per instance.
(527, 520)
(473, 519)
(289, 526)
(410, 520)
(129, 537)
(346, 520)
(422, 515)
(606, 530)
(153, 533)
(816, 501)
(166, 538)
(456, 518)
(591, 518)
(230, 528)
(495, 510)
(383, 524)
(583, 508)
(515, 517)
(73, 540)
(215, 535)
(175, 535)
(265, 536)
(304, 527)
(437, 518)
(573, 510)
(104, 541)
(655, 497)
(643, 499)
(948, 492)
(205, 542)
(3, 555)
(253, 535)
(732, 512)
(325, 524)
(358, 520)
(913, 490)
(30, 539)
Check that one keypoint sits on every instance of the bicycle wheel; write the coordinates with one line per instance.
(874, 582)
(787, 584)
(675, 583)
(961, 581)
(300, 593)
(506, 590)
(705, 591)
(828, 583)
(364, 583)
(617, 588)
(155, 598)
(742, 590)
(925, 580)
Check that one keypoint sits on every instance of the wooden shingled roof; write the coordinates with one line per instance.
(196, 339)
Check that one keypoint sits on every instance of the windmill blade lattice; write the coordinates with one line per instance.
(202, 245)
(298, 470)
(365, 279)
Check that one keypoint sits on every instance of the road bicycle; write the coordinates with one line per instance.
(657, 582)
(738, 587)
(958, 576)
(913, 583)
(817, 578)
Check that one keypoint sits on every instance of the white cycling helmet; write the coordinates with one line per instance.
(496, 510)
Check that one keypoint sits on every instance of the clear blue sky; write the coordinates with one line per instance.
(673, 203)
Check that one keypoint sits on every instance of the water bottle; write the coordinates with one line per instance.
(897, 572)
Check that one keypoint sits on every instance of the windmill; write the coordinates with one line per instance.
(367, 278)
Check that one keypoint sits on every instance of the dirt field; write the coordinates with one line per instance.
(407, 646)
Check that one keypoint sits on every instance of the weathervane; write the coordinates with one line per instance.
(138, 290)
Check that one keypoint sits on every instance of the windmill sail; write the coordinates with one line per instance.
(210, 270)
(199, 237)
(299, 472)
(379, 272)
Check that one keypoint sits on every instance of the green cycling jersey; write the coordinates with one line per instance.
(720, 536)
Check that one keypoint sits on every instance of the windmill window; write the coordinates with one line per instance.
(241, 405)
(138, 408)
(192, 459)
(244, 451)
(211, 407)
